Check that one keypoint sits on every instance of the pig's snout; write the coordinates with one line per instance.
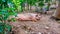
(38, 17)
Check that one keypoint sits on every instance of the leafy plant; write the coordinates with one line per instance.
(6, 10)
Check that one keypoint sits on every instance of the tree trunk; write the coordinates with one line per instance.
(57, 14)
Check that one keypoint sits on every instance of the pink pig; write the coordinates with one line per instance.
(28, 16)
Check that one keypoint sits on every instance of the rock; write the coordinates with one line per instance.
(39, 33)
(46, 27)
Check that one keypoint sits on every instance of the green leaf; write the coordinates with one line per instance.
(8, 27)
(13, 19)
(41, 4)
(1, 27)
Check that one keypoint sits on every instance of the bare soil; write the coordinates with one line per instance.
(43, 26)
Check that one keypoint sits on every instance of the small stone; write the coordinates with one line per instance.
(48, 32)
(26, 32)
(39, 33)
(47, 28)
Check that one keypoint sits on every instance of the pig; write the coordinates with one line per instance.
(28, 16)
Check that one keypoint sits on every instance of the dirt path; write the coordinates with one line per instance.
(43, 26)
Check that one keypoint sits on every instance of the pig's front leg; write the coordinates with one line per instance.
(34, 20)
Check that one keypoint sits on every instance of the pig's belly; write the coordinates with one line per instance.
(24, 18)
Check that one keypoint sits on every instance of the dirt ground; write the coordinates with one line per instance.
(43, 26)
